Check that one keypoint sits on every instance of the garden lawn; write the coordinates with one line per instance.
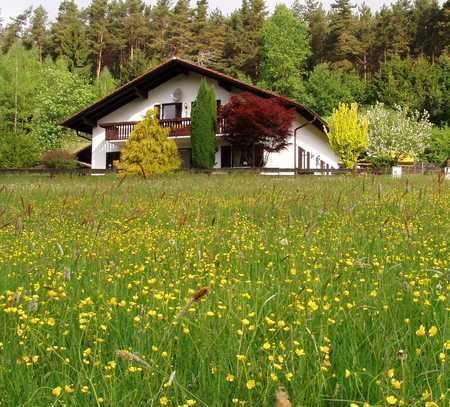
(336, 288)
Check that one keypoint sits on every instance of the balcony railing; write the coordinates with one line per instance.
(180, 127)
(121, 130)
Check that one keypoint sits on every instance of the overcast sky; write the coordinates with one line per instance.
(10, 8)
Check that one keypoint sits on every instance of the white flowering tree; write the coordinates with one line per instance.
(396, 133)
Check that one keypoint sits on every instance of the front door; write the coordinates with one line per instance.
(225, 156)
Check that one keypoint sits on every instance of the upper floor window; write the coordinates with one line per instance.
(171, 111)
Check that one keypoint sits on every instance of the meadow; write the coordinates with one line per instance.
(197, 290)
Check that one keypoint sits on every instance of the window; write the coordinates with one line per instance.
(171, 111)
(304, 159)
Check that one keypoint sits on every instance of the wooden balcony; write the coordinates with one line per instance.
(121, 130)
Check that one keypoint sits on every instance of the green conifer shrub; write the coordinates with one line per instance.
(149, 151)
(204, 120)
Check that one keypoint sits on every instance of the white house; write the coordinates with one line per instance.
(171, 88)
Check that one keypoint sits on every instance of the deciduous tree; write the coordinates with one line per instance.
(347, 133)
(250, 120)
(396, 133)
(284, 51)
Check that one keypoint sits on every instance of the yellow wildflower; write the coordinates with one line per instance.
(391, 400)
(251, 384)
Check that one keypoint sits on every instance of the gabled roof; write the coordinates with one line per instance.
(86, 119)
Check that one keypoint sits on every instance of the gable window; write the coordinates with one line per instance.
(171, 111)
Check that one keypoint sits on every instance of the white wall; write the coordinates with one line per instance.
(309, 138)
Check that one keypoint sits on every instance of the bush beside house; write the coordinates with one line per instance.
(347, 134)
(19, 151)
(396, 134)
(203, 127)
(149, 151)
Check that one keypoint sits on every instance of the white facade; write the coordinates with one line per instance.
(308, 138)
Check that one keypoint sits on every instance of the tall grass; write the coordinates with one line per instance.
(217, 290)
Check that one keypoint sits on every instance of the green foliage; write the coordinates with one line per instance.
(243, 39)
(19, 73)
(342, 41)
(58, 158)
(149, 151)
(326, 87)
(396, 133)
(204, 119)
(18, 151)
(68, 36)
(347, 134)
(105, 84)
(284, 51)
(417, 85)
(59, 93)
(437, 150)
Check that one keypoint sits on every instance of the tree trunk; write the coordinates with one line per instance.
(99, 57)
(16, 97)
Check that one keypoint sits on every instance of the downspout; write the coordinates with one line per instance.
(295, 141)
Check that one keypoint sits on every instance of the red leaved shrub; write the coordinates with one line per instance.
(252, 120)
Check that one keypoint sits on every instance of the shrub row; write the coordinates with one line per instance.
(22, 151)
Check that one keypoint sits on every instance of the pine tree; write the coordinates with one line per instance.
(201, 33)
(425, 17)
(392, 31)
(159, 26)
(314, 15)
(179, 32)
(15, 30)
(203, 136)
(342, 43)
(149, 151)
(365, 35)
(69, 36)
(97, 32)
(37, 34)
(443, 26)
(115, 51)
(243, 42)
(215, 53)
(135, 25)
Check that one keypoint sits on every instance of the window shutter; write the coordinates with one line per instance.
(158, 111)
(179, 110)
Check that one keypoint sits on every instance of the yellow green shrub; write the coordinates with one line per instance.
(149, 151)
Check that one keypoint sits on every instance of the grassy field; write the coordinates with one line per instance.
(197, 290)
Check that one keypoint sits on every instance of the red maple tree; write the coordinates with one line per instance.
(249, 120)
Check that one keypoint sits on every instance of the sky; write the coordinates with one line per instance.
(11, 8)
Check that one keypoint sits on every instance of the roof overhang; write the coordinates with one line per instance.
(86, 119)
